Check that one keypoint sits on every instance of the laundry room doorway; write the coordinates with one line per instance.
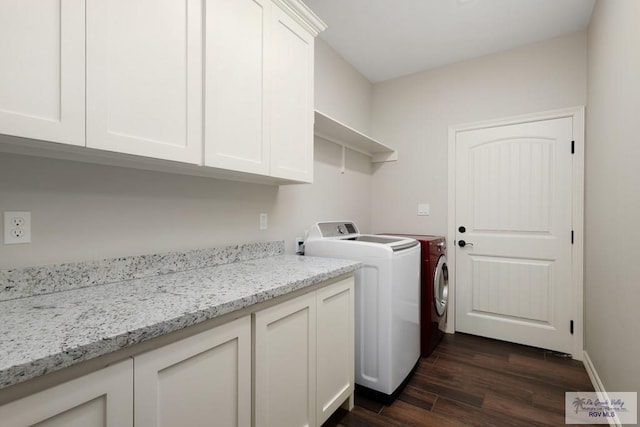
(515, 224)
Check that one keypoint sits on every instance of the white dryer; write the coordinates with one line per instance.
(387, 300)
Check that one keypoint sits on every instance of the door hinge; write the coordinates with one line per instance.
(573, 147)
(572, 237)
(571, 327)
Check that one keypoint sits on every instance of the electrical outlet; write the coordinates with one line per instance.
(263, 221)
(17, 221)
(17, 227)
(17, 233)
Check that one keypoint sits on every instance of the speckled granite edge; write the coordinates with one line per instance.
(31, 281)
(71, 356)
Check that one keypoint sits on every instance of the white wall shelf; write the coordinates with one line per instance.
(335, 131)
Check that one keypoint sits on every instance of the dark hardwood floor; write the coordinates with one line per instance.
(476, 381)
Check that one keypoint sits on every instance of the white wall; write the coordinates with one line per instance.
(413, 113)
(84, 211)
(612, 269)
(340, 90)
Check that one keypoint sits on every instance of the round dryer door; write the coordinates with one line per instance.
(441, 286)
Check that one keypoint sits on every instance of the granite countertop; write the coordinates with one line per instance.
(45, 333)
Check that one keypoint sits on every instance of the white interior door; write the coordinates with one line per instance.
(514, 199)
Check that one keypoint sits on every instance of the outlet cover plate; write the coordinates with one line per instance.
(424, 209)
(17, 227)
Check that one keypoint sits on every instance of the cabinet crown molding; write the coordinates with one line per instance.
(304, 16)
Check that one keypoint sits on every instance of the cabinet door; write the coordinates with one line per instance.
(285, 364)
(291, 77)
(335, 347)
(235, 127)
(42, 47)
(202, 380)
(100, 399)
(144, 78)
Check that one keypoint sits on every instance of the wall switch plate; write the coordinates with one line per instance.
(263, 221)
(424, 209)
(17, 227)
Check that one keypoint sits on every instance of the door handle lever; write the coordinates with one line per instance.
(462, 243)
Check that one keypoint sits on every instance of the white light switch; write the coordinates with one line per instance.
(263, 221)
(424, 209)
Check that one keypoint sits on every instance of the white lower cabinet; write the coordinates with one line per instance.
(101, 399)
(335, 348)
(202, 380)
(303, 355)
(303, 370)
(285, 359)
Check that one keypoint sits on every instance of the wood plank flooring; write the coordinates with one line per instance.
(476, 381)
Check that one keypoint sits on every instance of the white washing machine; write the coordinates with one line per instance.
(387, 312)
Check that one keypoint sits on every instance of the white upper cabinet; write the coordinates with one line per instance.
(235, 100)
(225, 84)
(291, 79)
(259, 87)
(42, 87)
(144, 78)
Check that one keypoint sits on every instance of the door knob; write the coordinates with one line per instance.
(462, 243)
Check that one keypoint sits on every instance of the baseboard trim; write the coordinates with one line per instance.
(597, 384)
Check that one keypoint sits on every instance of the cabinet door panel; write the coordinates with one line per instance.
(100, 399)
(291, 76)
(235, 126)
(335, 347)
(88, 414)
(285, 364)
(42, 86)
(199, 381)
(144, 77)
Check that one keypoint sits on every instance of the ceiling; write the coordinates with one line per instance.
(384, 39)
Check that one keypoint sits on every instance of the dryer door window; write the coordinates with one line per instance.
(441, 286)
